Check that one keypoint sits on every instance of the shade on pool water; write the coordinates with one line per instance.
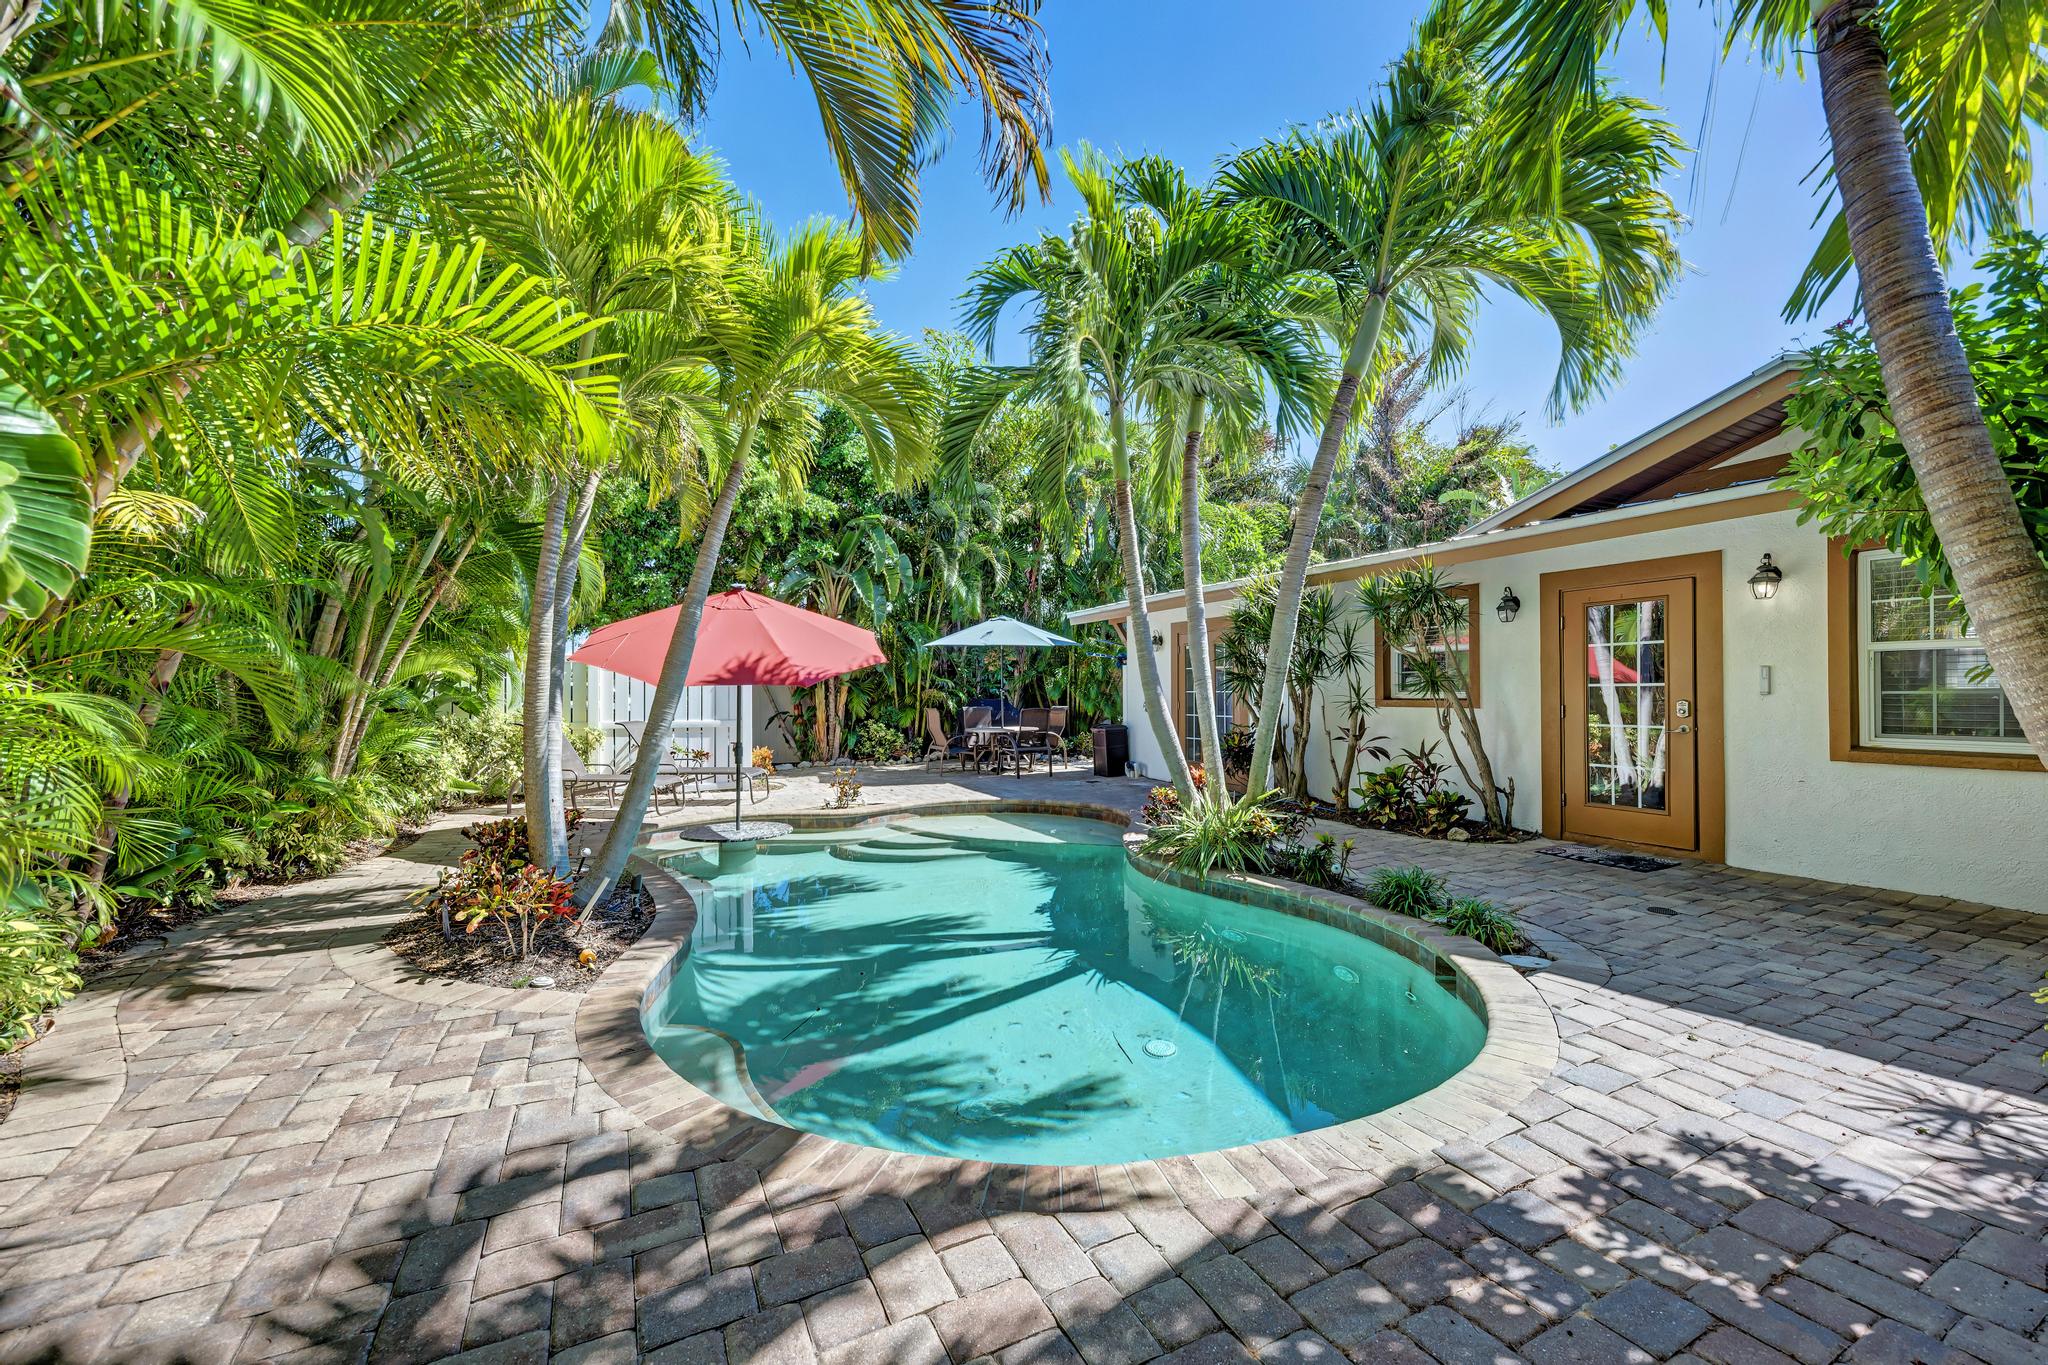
(1008, 988)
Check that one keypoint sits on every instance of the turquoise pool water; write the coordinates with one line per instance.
(1008, 988)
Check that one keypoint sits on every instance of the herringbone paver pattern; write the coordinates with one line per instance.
(1791, 1122)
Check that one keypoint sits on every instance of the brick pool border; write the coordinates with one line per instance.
(1521, 1050)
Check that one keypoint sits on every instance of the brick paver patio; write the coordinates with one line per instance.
(1790, 1121)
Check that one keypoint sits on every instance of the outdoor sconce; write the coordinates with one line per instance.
(1764, 582)
(1509, 605)
(1158, 640)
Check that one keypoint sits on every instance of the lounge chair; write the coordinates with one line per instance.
(578, 779)
(942, 746)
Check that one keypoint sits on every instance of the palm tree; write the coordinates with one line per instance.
(1222, 387)
(626, 223)
(1120, 306)
(309, 104)
(1928, 108)
(794, 332)
(1404, 214)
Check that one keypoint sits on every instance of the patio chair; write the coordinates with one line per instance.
(578, 778)
(942, 746)
(1031, 740)
(978, 746)
(697, 774)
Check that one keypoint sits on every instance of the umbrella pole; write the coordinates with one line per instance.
(736, 777)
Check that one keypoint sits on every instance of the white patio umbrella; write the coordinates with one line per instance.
(1001, 632)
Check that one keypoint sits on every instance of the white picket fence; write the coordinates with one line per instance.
(708, 717)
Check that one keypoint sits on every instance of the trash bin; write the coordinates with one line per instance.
(1112, 750)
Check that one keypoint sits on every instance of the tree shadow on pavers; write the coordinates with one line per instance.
(1767, 1243)
(1941, 991)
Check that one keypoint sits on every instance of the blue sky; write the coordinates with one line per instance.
(1197, 79)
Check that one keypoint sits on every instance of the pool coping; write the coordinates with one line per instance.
(796, 1167)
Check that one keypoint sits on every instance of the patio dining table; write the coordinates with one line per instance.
(993, 739)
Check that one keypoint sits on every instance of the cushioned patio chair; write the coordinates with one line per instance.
(942, 747)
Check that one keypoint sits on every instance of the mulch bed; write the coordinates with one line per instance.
(1477, 833)
(483, 959)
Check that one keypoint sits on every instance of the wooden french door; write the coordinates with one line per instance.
(1629, 665)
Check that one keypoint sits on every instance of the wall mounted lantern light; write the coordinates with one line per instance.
(1508, 606)
(1764, 582)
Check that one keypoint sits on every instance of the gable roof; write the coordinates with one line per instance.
(1684, 470)
(1745, 413)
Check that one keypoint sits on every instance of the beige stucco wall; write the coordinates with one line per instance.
(1971, 833)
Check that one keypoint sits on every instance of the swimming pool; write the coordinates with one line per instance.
(1008, 988)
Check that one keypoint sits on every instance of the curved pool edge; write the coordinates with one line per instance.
(1359, 1155)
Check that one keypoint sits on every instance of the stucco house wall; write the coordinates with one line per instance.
(1972, 833)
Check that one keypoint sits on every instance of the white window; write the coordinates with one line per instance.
(1926, 680)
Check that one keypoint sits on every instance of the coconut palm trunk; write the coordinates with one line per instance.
(1153, 694)
(624, 833)
(1199, 658)
(1997, 566)
(1301, 537)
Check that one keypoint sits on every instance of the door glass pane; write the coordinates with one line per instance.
(1627, 754)
(1191, 718)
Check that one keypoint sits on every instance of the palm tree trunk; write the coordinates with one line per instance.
(567, 564)
(155, 689)
(1997, 566)
(1154, 696)
(1301, 539)
(1217, 790)
(547, 836)
(392, 144)
(445, 581)
(356, 721)
(624, 833)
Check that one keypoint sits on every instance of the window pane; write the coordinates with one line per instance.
(1944, 690)
(1626, 745)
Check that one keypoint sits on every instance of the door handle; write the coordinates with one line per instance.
(1683, 730)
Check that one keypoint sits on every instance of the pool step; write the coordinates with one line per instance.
(870, 853)
(997, 833)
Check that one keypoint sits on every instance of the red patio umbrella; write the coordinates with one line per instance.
(744, 640)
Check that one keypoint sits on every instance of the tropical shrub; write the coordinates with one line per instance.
(1384, 798)
(1411, 891)
(877, 741)
(1318, 863)
(1412, 795)
(504, 841)
(763, 757)
(1415, 611)
(484, 749)
(522, 899)
(1162, 804)
(1206, 838)
(1440, 812)
(38, 969)
(846, 786)
(1483, 921)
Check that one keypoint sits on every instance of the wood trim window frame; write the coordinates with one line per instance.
(1845, 681)
(1383, 663)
